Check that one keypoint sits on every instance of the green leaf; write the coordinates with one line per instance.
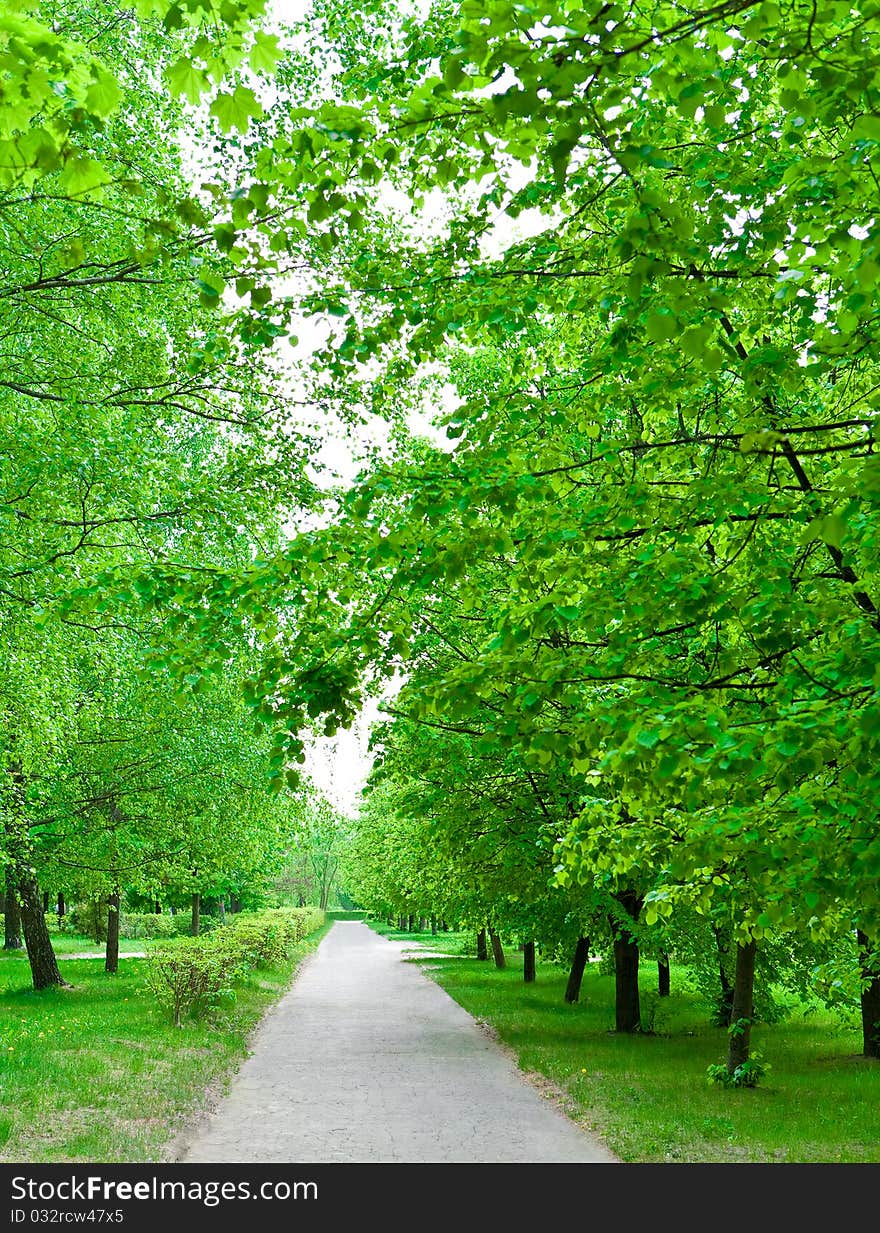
(647, 739)
(265, 53)
(661, 326)
(103, 95)
(210, 283)
(185, 79)
(236, 110)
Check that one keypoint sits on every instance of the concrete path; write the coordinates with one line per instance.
(365, 1059)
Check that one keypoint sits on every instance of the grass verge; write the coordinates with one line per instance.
(96, 1073)
(648, 1097)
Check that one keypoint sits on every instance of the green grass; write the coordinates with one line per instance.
(452, 943)
(73, 944)
(96, 1073)
(648, 1096)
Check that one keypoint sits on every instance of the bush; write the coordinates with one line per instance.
(182, 924)
(146, 925)
(196, 972)
(266, 937)
(747, 1074)
(90, 919)
(190, 976)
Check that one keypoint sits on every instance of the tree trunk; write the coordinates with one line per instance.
(743, 1007)
(724, 1005)
(482, 952)
(576, 975)
(62, 906)
(157, 908)
(111, 961)
(45, 902)
(433, 926)
(44, 965)
(99, 921)
(234, 905)
(423, 924)
(12, 920)
(411, 922)
(870, 999)
(663, 976)
(497, 950)
(221, 908)
(627, 1009)
(528, 962)
(196, 922)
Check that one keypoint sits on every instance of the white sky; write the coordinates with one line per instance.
(339, 765)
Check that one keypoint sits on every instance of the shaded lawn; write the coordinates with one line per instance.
(648, 1095)
(97, 1073)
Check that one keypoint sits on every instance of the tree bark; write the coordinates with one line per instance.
(497, 949)
(743, 1007)
(576, 974)
(870, 999)
(528, 962)
(433, 926)
(724, 1005)
(157, 908)
(12, 920)
(111, 960)
(221, 908)
(99, 920)
(423, 924)
(62, 906)
(411, 923)
(196, 921)
(482, 952)
(663, 976)
(41, 955)
(627, 1008)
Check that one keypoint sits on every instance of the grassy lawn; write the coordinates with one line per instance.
(452, 943)
(75, 944)
(648, 1097)
(96, 1073)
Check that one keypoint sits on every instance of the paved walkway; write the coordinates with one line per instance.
(366, 1059)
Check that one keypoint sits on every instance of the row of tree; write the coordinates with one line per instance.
(636, 600)
(140, 426)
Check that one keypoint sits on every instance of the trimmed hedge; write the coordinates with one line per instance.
(161, 925)
(197, 972)
(147, 925)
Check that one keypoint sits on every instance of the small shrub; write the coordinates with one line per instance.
(196, 972)
(182, 924)
(748, 1074)
(146, 925)
(89, 918)
(190, 976)
(266, 937)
